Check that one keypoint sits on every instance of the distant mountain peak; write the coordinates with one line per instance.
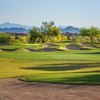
(14, 28)
(6, 23)
(13, 25)
(70, 29)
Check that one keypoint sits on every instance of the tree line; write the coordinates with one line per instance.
(92, 33)
(48, 32)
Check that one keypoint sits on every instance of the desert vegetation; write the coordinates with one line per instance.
(49, 33)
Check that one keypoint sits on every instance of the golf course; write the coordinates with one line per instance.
(49, 49)
(49, 71)
(33, 64)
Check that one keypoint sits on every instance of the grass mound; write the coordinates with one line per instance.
(96, 45)
(87, 45)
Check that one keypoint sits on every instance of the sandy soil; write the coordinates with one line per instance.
(13, 89)
(63, 48)
(1, 50)
(73, 47)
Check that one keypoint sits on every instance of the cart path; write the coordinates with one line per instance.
(14, 89)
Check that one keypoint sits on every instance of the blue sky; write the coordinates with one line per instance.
(79, 13)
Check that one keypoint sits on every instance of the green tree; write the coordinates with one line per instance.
(49, 30)
(45, 33)
(90, 32)
(93, 32)
(35, 35)
(4, 38)
(54, 31)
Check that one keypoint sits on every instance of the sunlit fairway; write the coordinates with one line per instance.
(67, 67)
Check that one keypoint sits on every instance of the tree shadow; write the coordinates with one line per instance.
(93, 79)
(95, 71)
(63, 66)
(90, 53)
(10, 50)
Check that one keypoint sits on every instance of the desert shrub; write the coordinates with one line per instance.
(4, 37)
(95, 40)
(56, 38)
(64, 38)
(12, 39)
(23, 39)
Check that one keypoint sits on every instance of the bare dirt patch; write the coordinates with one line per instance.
(63, 48)
(13, 89)
(30, 50)
(87, 45)
(73, 47)
(50, 49)
(1, 50)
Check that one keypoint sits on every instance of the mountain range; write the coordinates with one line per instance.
(14, 28)
(69, 29)
(17, 28)
(13, 25)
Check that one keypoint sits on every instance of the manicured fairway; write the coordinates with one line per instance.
(57, 55)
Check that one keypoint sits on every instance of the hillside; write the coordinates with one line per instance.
(70, 29)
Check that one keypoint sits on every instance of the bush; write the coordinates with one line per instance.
(23, 39)
(4, 38)
(64, 38)
(12, 39)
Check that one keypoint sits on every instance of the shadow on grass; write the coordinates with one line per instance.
(93, 79)
(95, 71)
(90, 53)
(78, 79)
(10, 50)
(63, 66)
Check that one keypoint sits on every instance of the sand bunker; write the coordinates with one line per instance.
(30, 50)
(42, 50)
(50, 49)
(87, 45)
(50, 45)
(77, 47)
(25, 50)
(73, 47)
(63, 48)
(1, 50)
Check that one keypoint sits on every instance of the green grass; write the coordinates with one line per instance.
(19, 46)
(76, 72)
(65, 78)
(57, 55)
(65, 67)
